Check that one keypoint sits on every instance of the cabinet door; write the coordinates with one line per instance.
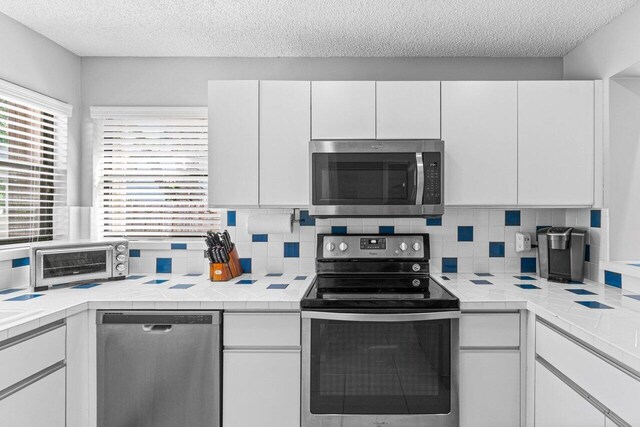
(558, 405)
(480, 131)
(285, 131)
(489, 388)
(261, 388)
(555, 143)
(41, 403)
(233, 143)
(408, 110)
(343, 110)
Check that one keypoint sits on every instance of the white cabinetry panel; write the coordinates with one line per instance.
(555, 143)
(480, 130)
(408, 110)
(285, 131)
(489, 388)
(343, 110)
(490, 330)
(233, 143)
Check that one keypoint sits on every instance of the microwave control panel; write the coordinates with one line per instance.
(432, 194)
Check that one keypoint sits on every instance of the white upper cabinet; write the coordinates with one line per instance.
(285, 132)
(343, 110)
(556, 143)
(408, 110)
(480, 133)
(233, 143)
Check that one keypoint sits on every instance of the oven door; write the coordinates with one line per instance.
(376, 178)
(69, 265)
(380, 369)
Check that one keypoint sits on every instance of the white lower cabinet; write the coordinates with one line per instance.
(261, 388)
(489, 388)
(558, 405)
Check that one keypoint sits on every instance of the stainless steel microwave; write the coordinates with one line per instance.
(376, 178)
(65, 262)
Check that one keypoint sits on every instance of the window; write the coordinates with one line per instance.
(33, 164)
(152, 172)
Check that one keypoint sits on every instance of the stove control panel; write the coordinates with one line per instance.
(363, 246)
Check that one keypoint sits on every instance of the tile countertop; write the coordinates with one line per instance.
(153, 291)
(605, 317)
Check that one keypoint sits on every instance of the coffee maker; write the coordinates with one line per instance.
(561, 253)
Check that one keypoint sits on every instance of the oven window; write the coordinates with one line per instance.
(364, 178)
(390, 368)
(74, 263)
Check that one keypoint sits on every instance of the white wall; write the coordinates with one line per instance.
(183, 81)
(31, 60)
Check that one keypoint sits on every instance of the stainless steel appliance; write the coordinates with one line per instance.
(379, 336)
(158, 369)
(399, 178)
(561, 253)
(64, 262)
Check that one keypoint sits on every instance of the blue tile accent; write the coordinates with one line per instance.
(278, 286)
(163, 265)
(193, 274)
(527, 265)
(524, 277)
(273, 275)
(526, 286)
(511, 218)
(465, 233)
(449, 265)
(435, 221)
(26, 297)
(178, 246)
(134, 253)
(496, 249)
(593, 304)
(135, 277)
(19, 262)
(300, 278)
(86, 286)
(445, 278)
(339, 229)
(386, 229)
(245, 263)
(291, 249)
(9, 291)
(587, 253)
(156, 282)
(484, 274)
(305, 219)
(596, 218)
(634, 265)
(259, 237)
(481, 282)
(612, 278)
(635, 297)
(581, 292)
(181, 286)
(246, 282)
(231, 218)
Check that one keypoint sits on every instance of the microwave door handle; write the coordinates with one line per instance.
(419, 179)
(381, 317)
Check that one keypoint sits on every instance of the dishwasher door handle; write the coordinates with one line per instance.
(157, 328)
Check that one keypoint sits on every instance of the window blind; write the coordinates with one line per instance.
(33, 165)
(152, 173)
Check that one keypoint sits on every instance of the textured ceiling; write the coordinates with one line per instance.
(318, 28)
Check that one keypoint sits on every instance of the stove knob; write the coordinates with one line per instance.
(343, 246)
(416, 246)
(121, 257)
(416, 282)
(415, 267)
(120, 267)
(121, 248)
(330, 246)
(403, 246)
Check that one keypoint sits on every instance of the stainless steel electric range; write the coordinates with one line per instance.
(379, 336)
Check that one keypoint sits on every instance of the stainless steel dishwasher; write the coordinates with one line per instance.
(158, 368)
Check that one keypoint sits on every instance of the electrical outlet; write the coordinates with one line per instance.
(523, 242)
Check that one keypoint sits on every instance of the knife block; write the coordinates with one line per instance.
(222, 272)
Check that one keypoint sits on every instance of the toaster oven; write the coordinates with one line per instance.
(67, 262)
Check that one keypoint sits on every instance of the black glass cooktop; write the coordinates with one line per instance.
(361, 291)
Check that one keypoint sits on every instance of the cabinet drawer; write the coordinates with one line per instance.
(261, 329)
(613, 387)
(490, 330)
(23, 357)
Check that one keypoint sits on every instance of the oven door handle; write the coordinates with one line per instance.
(381, 317)
(419, 179)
